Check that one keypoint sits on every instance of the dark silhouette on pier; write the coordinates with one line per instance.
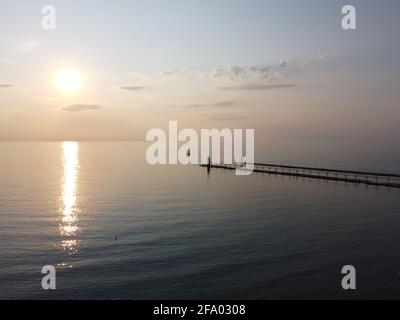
(358, 177)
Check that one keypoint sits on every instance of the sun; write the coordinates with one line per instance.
(68, 80)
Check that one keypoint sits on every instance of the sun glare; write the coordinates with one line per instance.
(68, 81)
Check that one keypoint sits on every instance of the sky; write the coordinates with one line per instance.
(284, 68)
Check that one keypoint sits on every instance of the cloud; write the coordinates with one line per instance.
(324, 56)
(237, 77)
(258, 87)
(223, 103)
(5, 85)
(186, 73)
(195, 105)
(228, 117)
(231, 73)
(132, 88)
(30, 45)
(237, 73)
(253, 77)
(81, 107)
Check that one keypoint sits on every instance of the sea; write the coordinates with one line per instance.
(115, 227)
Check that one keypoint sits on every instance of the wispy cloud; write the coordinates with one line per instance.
(30, 45)
(19, 56)
(258, 87)
(81, 107)
(234, 77)
(232, 73)
(325, 56)
(235, 73)
(194, 105)
(228, 117)
(132, 88)
(186, 73)
(223, 103)
(5, 85)
(256, 77)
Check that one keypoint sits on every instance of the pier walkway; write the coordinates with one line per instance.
(358, 177)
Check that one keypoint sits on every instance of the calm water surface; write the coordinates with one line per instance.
(182, 234)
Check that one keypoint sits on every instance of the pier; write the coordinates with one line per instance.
(349, 176)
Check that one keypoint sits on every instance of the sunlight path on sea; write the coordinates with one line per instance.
(69, 211)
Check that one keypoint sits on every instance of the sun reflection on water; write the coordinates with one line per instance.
(69, 211)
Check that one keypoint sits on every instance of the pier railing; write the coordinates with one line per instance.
(351, 176)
